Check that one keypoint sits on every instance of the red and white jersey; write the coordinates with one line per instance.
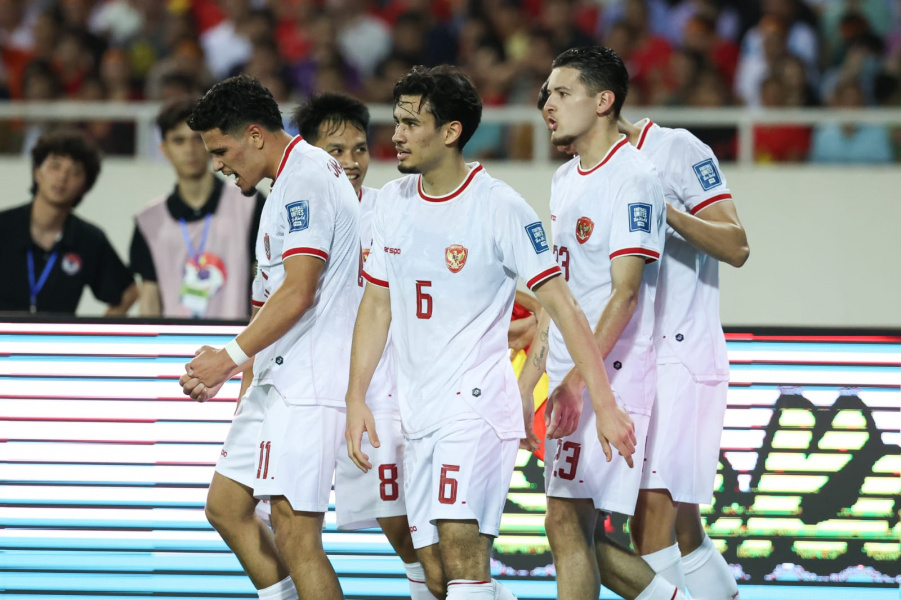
(611, 210)
(382, 393)
(451, 265)
(312, 210)
(688, 328)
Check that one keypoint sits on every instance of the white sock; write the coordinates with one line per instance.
(660, 589)
(416, 576)
(470, 589)
(283, 590)
(500, 592)
(668, 564)
(707, 574)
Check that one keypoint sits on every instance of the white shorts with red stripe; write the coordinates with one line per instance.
(262, 451)
(684, 435)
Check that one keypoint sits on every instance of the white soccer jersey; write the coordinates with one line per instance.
(311, 211)
(382, 393)
(613, 209)
(688, 328)
(451, 265)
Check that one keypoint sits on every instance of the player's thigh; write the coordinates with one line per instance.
(576, 468)
(227, 500)
(298, 453)
(240, 452)
(362, 498)
(297, 533)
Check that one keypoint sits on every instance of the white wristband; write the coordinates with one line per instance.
(235, 352)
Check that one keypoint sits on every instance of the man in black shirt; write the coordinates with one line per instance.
(49, 254)
(194, 249)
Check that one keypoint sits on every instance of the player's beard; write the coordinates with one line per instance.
(407, 169)
(249, 193)
(562, 140)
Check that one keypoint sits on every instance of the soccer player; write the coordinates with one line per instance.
(338, 123)
(449, 242)
(284, 439)
(607, 212)
(702, 230)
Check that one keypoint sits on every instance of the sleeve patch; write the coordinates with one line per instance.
(640, 216)
(538, 237)
(298, 215)
(707, 173)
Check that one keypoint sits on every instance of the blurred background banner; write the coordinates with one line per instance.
(104, 468)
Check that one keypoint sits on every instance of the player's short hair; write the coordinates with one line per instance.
(599, 69)
(449, 94)
(334, 110)
(174, 113)
(73, 144)
(543, 94)
(233, 104)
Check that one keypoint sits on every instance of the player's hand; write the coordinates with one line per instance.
(359, 419)
(563, 411)
(521, 333)
(210, 366)
(192, 387)
(615, 428)
(531, 441)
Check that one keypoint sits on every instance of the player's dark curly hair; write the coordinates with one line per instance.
(174, 113)
(233, 104)
(543, 95)
(335, 110)
(450, 96)
(74, 144)
(600, 69)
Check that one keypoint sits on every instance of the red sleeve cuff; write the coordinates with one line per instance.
(649, 255)
(305, 252)
(543, 276)
(710, 201)
(374, 280)
(257, 303)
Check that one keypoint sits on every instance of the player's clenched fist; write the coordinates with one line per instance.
(563, 411)
(615, 428)
(359, 420)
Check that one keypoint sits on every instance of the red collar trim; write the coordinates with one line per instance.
(360, 195)
(644, 133)
(288, 148)
(460, 189)
(622, 142)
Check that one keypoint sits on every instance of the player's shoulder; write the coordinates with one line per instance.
(567, 168)
(499, 194)
(681, 144)
(630, 161)
(397, 192)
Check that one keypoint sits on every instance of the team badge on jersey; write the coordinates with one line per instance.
(266, 247)
(538, 237)
(707, 173)
(455, 257)
(640, 217)
(584, 227)
(298, 215)
(71, 263)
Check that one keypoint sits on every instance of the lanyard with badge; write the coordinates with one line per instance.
(197, 286)
(35, 287)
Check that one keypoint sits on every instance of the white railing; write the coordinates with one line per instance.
(743, 119)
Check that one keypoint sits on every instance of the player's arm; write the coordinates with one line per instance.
(284, 308)
(247, 373)
(625, 275)
(370, 337)
(150, 304)
(614, 423)
(531, 373)
(715, 230)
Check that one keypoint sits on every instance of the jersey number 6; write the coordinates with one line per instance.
(423, 300)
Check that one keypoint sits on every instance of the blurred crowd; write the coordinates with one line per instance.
(680, 53)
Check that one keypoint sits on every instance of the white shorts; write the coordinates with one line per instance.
(361, 498)
(579, 468)
(684, 435)
(286, 450)
(461, 471)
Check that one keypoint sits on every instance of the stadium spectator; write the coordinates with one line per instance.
(779, 142)
(364, 39)
(865, 144)
(51, 255)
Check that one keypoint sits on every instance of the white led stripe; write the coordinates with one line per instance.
(97, 388)
(92, 368)
(114, 432)
(747, 417)
(742, 439)
(888, 357)
(150, 537)
(114, 516)
(187, 410)
(114, 474)
(93, 347)
(105, 453)
(22, 494)
(739, 374)
(120, 329)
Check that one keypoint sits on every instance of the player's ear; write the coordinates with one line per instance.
(254, 133)
(605, 101)
(452, 132)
